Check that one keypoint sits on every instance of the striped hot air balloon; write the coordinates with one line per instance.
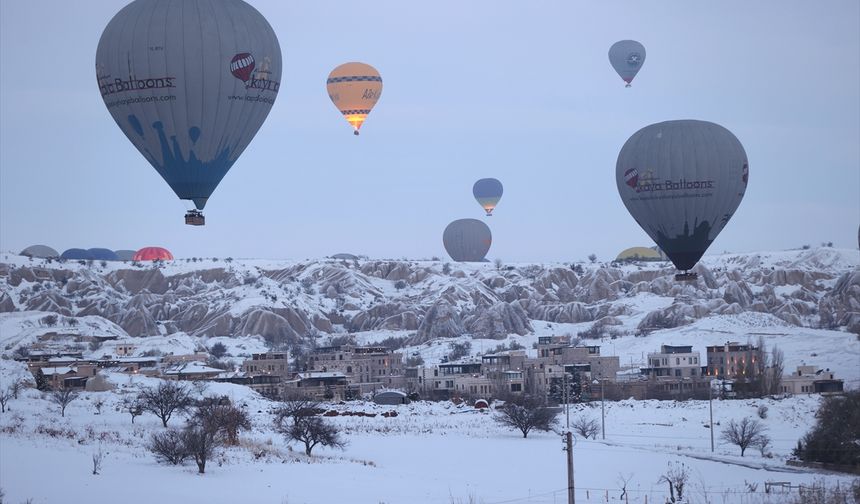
(153, 254)
(354, 88)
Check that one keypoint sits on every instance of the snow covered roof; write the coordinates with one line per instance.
(192, 367)
(58, 370)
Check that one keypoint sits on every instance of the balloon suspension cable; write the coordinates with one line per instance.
(195, 218)
(686, 276)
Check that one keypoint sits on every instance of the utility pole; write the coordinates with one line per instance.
(602, 383)
(568, 439)
(711, 408)
(566, 404)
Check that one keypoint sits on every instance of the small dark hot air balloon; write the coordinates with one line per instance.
(488, 192)
(627, 58)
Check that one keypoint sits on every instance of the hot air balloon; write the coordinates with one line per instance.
(103, 254)
(354, 88)
(488, 192)
(153, 254)
(682, 181)
(189, 84)
(627, 57)
(77, 254)
(467, 240)
(125, 254)
(42, 251)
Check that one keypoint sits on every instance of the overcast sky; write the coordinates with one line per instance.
(520, 91)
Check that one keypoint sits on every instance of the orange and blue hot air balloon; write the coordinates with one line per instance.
(488, 192)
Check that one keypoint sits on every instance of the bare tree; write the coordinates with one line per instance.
(623, 482)
(526, 414)
(586, 427)
(98, 404)
(676, 477)
(5, 395)
(97, 461)
(297, 420)
(199, 442)
(16, 387)
(777, 367)
(132, 406)
(168, 446)
(165, 400)
(743, 434)
(592, 258)
(313, 431)
(219, 415)
(62, 397)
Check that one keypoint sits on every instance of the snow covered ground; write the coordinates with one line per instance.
(430, 452)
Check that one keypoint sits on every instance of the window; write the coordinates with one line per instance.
(349, 369)
(516, 387)
(677, 361)
(677, 372)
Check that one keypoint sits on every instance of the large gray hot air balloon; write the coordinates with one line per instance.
(682, 181)
(42, 251)
(627, 57)
(189, 83)
(467, 240)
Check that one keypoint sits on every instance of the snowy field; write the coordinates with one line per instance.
(430, 452)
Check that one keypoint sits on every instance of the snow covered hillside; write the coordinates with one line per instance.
(428, 453)
(805, 301)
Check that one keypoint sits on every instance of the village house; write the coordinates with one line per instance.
(557, 350)
(319, 385)
(369, 367)
(811, 380)
(267, 385)
(190, 371)
(734, 361)
(269, 363)
(64, 372)
(674, 361)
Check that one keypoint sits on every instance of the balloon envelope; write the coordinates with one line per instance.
(189, 83)
(153, 254)
(42, 251)
(627, 58)
(639, 254)
(76, 254)
(467, 240)
(125, 255)
(488, 192)
(354, 88)
(682, 181)
(103, 254)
